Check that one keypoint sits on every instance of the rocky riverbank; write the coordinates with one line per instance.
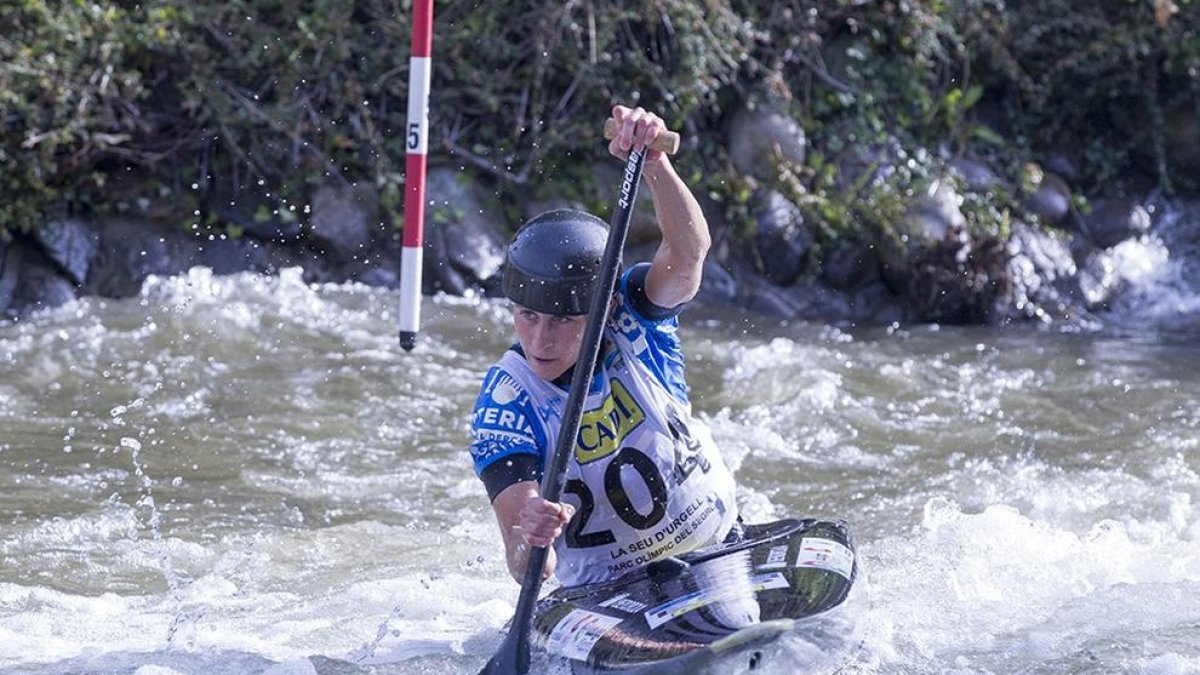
(1055, 266)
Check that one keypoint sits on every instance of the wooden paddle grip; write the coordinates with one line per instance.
(667, 141)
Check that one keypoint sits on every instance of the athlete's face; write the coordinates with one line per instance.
(551, 342)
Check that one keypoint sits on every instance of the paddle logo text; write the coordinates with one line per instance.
(628, 182)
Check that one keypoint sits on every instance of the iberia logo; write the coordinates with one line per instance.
(602, 428)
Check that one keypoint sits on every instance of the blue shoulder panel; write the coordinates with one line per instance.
(502, 424)
(655, 341)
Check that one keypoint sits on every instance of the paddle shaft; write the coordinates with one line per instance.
(513, 656)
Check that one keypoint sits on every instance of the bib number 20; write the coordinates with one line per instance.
(614, 491)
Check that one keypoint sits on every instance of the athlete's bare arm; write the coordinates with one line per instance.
(675, 273)
(527, 520)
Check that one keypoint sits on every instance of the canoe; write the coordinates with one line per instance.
(718, 609)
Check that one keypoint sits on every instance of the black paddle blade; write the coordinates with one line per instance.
(512, 658)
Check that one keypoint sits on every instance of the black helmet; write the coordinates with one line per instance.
(553, 261)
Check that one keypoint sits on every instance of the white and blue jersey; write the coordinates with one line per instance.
(646, 479)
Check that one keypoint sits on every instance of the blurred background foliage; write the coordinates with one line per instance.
(108, 104)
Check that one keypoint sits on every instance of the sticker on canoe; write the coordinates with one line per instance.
(776, 558)
(825, 554)
(690, 602)
(578, 632)
(624, 603)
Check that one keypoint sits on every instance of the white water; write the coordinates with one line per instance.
(246, 474)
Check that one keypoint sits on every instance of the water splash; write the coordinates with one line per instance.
(368, 649)
(1163, 274)
(1069, 457)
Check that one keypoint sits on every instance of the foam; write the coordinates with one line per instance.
(974, 585)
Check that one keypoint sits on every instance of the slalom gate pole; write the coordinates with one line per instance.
(417, 144)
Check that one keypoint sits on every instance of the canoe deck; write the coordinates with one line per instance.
(717, 603)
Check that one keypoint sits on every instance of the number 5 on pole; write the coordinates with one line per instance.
(416, 144)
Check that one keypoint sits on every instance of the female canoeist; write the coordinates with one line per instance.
(645, 480)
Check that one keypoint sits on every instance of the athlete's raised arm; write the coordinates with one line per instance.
(675, 273)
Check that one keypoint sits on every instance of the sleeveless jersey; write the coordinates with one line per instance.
(646, 478)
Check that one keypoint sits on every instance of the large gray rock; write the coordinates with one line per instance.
(437, 272)
(816, 302)
(40, 285)
(874, 303)
(759, 139)
(758, 295)
(782, 239)
(850, 264)
(129, 250)
(1051, 199)
(71, 244)
(345, 220)
(717, 284)
(225, 255)
(461, 229)
(976, 175)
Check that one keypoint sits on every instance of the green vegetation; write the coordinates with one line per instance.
(277, 95)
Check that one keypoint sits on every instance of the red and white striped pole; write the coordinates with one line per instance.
(417, 143)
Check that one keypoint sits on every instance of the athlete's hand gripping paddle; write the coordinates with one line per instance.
(513, 655)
